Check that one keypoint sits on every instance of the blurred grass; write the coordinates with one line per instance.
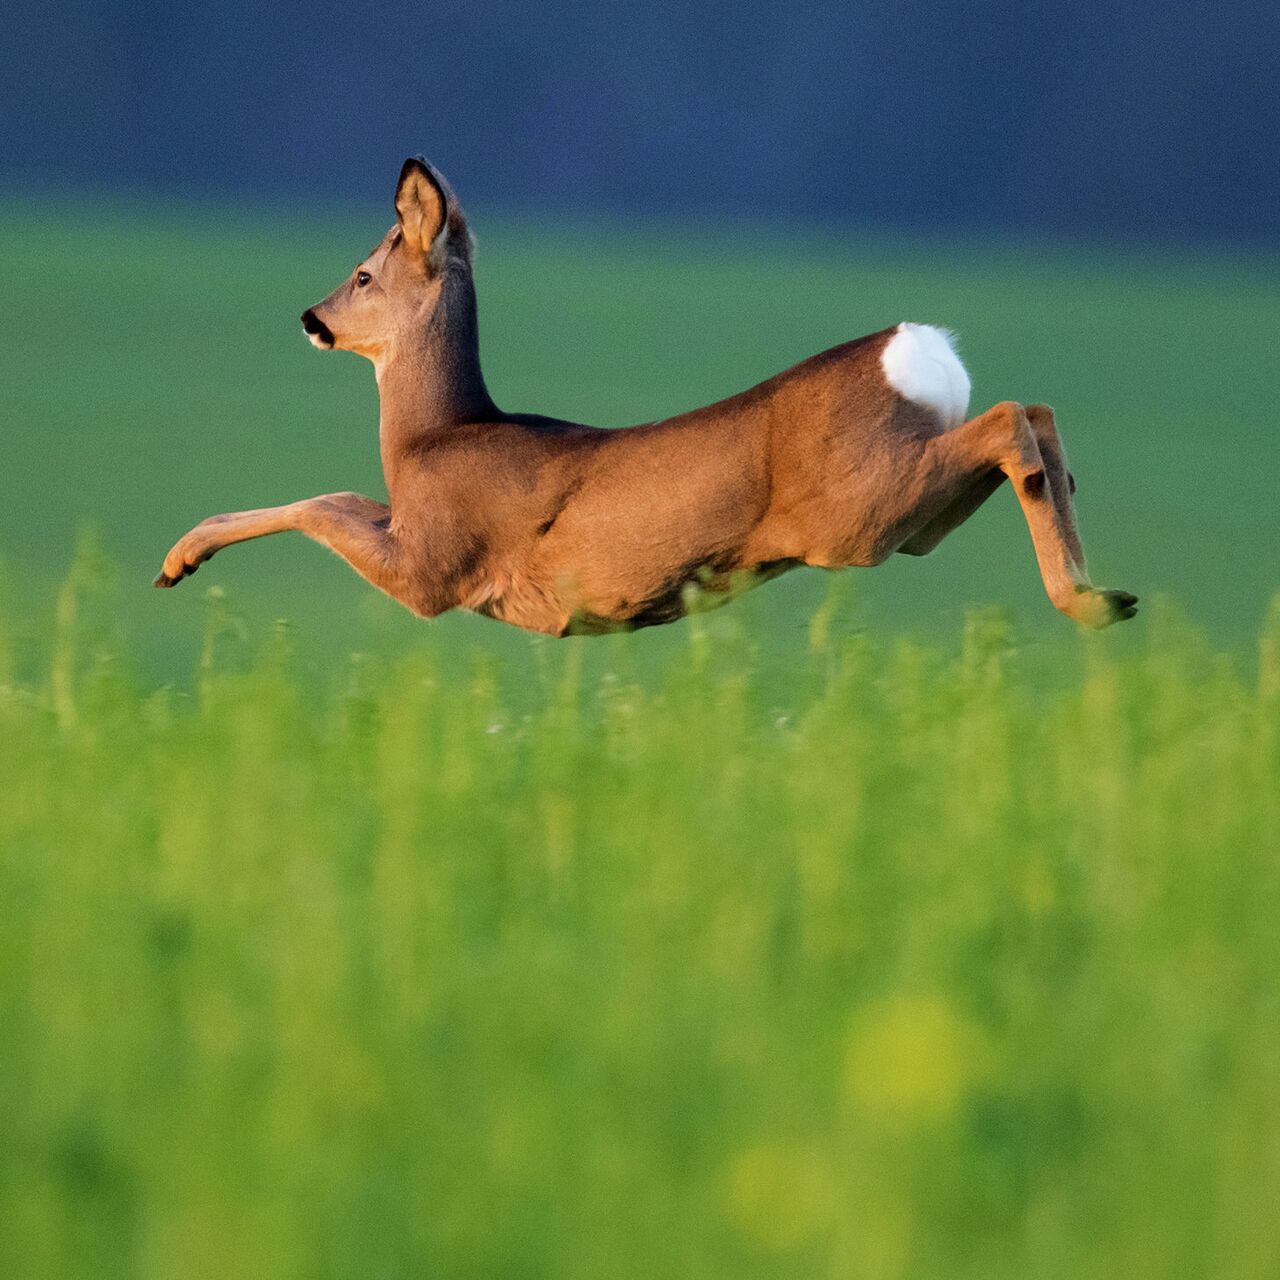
(159, 375)
(915, 967)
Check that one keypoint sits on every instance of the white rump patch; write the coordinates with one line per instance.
(922, 366)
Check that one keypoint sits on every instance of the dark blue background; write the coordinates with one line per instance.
(1131, 121)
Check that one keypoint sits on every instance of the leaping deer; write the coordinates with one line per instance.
(557, 527)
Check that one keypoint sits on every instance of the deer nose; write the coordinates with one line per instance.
(316, 330)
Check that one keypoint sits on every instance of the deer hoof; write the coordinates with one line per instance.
(180, 563)
(1102, 606)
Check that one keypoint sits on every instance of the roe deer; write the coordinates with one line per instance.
(563, 528)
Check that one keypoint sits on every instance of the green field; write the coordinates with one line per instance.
(880, 925)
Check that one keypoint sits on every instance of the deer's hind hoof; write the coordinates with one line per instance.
(1123, 605)
(1102, 607)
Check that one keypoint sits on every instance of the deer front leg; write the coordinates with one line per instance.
(354, 526)
(1005, 438)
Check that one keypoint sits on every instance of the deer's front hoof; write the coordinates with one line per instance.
(165, 578)
(181, 562)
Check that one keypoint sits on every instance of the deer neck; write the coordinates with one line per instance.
(431, 379)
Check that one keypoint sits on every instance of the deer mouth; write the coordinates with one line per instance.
(317, 331)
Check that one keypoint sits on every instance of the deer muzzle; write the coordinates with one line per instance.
(316, 330)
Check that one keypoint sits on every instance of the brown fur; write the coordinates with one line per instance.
(560, 528)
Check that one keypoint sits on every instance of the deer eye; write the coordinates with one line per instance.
(362, 279)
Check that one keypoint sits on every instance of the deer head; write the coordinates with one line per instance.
(395, 292)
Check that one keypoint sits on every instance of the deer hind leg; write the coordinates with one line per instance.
(354, 526)
(1008, 439)
(1061, 482)
(954, 514)
(1061, 485)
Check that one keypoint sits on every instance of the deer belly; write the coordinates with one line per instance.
(697, 591)
(519, 599)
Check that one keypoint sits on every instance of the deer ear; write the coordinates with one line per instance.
(422, 207)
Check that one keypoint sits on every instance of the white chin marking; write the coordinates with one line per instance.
(318, 343)
(922, 366)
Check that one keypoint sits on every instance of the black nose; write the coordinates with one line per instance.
(313, 325)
